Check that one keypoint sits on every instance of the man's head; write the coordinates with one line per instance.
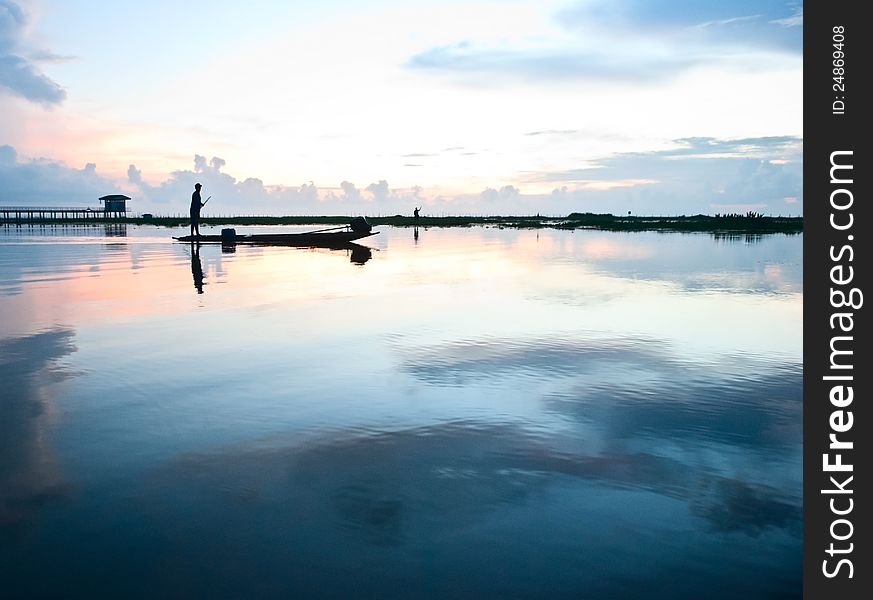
(197, 186)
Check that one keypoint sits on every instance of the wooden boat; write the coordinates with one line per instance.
(334, 239)
(320, 238)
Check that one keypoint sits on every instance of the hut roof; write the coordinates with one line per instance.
(114, 197)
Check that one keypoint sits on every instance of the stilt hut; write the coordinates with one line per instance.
(114, 205)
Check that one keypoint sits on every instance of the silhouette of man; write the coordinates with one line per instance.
(196, 205)
(415, 214)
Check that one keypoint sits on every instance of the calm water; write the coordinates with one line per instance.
(473, 413)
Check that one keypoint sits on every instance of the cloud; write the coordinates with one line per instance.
(19, 75)
(555, 132)
(12, 23)
(629, 41)
(379, 190)
(507, 192)
(563, 64)
(21, 78)
(8, 155)
(761, 147)
(750, 23)
(134, 175)
(48, 182)
(252, 196)
(795, 20)
(697, 175)
(46, 56)
(350, 192)
(44, 182)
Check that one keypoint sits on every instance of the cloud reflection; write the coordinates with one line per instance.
(29, 474)
(730, 505)
(457, 363)
(760, 411)
(393, 487)
(635, 388)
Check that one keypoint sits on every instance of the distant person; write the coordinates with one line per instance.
(196, 205)
(415, 214)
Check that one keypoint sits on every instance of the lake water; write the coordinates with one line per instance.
(482, 413)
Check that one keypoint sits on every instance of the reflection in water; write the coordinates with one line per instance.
(415, 234)
(103, 230)
(425, 510)
(360, 254)
(746, 238)
(456, 363)
(115, 229)
(29, 475)
(196, 267)
(730, 505)
(634, 387)
(520, 415)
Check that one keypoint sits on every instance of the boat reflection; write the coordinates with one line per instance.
(357, 254)
(360, 254)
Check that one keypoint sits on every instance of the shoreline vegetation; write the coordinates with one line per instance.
(754, 223)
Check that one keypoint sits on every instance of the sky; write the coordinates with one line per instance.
(654, 107)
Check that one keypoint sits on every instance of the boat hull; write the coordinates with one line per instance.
(336, 239)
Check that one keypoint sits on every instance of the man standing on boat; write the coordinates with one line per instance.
(415, 214)
(196, 205)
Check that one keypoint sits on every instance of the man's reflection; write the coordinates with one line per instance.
(196, 267)
(415, 234)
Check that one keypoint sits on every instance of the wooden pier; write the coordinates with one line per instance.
(42, 214)
(113, 206)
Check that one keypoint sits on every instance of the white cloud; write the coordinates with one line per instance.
(19, 74)
(696, 175)
(795, 20)
(44, 182)
(380, 191)
(639, 41)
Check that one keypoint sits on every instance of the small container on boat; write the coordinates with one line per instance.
(228, 236)
(360, 225)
